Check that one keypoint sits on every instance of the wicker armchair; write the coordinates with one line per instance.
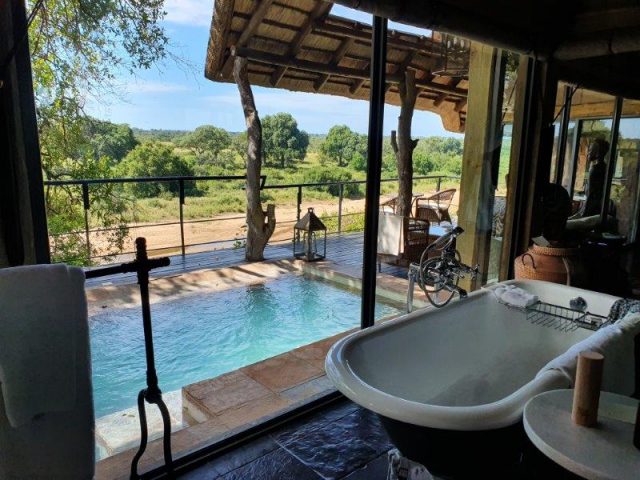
(391, 205)
(435, 208)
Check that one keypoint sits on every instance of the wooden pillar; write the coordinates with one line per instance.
(481, 151)
(531, 149)
(23, 224)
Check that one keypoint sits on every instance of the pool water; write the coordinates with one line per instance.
(201, 336)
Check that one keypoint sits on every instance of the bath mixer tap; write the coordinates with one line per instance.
(438, 274)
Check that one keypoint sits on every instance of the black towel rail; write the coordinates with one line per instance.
(142, 265)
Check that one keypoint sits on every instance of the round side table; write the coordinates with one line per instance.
(603, 452)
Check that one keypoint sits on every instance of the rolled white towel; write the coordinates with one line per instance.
(616, 344)
(515, 296)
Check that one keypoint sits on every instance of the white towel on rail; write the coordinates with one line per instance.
(616, 344)
(40, 307)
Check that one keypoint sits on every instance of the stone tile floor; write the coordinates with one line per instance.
(342, 441)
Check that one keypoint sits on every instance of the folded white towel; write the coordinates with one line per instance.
(616, 344)
(40, 307)
(515, 296)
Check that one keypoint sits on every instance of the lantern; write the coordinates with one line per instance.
(307, 233)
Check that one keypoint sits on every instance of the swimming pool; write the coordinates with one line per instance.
(201, 336)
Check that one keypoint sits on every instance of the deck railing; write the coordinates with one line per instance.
(181, 196)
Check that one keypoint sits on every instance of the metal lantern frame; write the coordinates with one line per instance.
(454, 57)
(305, 237)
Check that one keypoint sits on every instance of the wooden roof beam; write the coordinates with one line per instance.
(252, 26)
(321, 9)
(362, 32)
(447, 16)
(439, 100)
(337, 57)
(601, 44)
(460, 104)
(315, 67)
(357, 85)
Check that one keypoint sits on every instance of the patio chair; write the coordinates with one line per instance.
(391, 205)
(435, 208)
(401, 240)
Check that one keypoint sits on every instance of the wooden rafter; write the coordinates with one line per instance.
(439, 100)
(335, 61)
(357, 85)
(322, 9)
(306, 65)
(337, 26)
(252, 26)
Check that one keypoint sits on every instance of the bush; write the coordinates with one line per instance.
(422, 163)
(155, 160)
(332, 175)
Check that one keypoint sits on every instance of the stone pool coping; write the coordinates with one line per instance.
(220, 407)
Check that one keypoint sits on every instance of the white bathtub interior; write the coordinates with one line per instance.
(459, 363)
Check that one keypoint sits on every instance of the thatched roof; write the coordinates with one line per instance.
(594, 43)
(298, 45)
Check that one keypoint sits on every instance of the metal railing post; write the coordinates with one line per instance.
(86, 204)
(340, 195)
(439, 182)
(181, 200)
(299, 204)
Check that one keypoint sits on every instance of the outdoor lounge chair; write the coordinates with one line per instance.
(435, 208)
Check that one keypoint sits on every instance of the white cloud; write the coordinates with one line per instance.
(146, 86)
(189, 12)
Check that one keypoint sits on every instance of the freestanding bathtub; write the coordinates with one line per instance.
(450, 384)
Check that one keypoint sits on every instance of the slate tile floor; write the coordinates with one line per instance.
(343, 441)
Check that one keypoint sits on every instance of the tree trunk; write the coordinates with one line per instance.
(403, 145)
(260, 224)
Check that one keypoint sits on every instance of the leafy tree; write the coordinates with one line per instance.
(423, 163)
(207, 142)
(109, 139)
(332, 176)
(239, 146)
(282, 141)
(342, 144)
(78, 48)
(154, 160)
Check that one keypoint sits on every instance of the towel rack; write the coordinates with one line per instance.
(142, 265)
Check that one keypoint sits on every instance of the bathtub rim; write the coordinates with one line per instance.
(501, 413)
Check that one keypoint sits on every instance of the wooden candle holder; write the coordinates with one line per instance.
(586, 395)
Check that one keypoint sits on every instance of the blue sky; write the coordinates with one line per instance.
(172, 97)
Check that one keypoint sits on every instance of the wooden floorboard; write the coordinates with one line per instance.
(345, 249)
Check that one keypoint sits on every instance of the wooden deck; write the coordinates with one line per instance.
(345, 249)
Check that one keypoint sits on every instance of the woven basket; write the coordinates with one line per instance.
(551, 264)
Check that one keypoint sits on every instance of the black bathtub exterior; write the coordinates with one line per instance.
(460, 454)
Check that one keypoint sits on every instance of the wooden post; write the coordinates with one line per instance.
(23, 224)
(586, 395)
(260, 224)
(481, 142)
(402, 143)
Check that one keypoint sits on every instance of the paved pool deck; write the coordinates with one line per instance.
(213, 409)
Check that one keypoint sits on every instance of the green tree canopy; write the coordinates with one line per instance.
(207, 142)
(342, 145)
(154, 160)
(78, 49)
(282, 141)
(110, 139)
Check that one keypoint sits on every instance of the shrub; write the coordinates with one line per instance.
(332, 175)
